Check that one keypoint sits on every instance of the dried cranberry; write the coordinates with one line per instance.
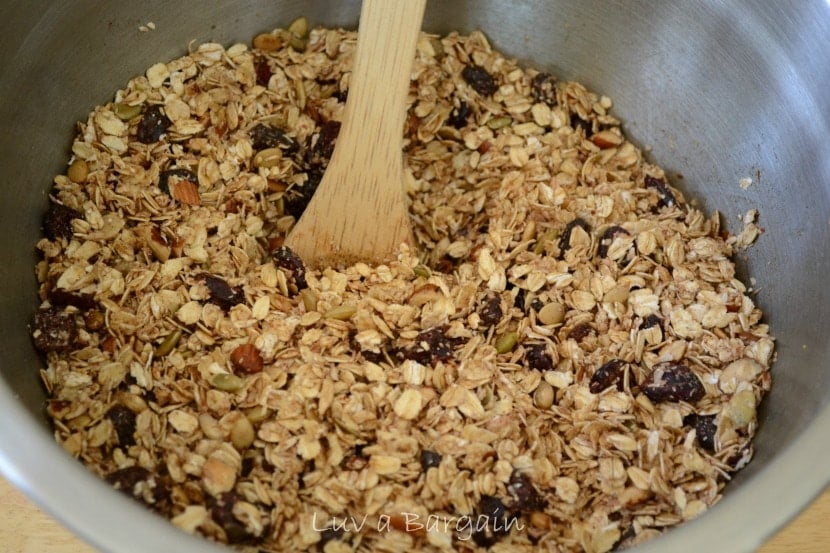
(705, 429)
(671, 381)
(222, 294)
(298, 198)
(544, 88)
(565, 238)
(262, 70)
(430, 346)
(57, 223)
(54, 329)
(479, 79)
(177, 174)
(320, 153)
(525, 496)
(429, 459)
(490, 311)
(651, 321)
(459, 115)
(608, 238)
(493, 521)
(537, 357)
(663, 192)
(153, 125)
(610, 374)
(123, 421)
(266, 136)
(290, 261)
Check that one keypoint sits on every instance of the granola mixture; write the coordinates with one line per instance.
(569, 364)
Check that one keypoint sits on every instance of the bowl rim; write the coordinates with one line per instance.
(114, 523)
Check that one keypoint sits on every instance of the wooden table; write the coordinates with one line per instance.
(26, 529)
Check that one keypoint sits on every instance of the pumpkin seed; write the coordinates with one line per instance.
(507, 342)
(125, 112)
(299, 27)
(169, 342)
(227, 382)
(341, 312)
(499, 122)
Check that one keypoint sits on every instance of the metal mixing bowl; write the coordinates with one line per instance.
(718, 90)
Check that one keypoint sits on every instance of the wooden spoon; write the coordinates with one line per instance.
(359, 211)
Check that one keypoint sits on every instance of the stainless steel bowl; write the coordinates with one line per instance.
(718, 90)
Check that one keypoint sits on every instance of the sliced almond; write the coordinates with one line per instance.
(186, 192)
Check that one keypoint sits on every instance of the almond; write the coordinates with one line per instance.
(247, 359)
(606, 139)
(186, 192)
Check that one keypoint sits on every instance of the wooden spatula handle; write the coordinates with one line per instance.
(359, 211)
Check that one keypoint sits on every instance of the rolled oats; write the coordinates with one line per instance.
(569, 351)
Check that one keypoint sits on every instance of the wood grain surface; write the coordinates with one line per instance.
(26, 529)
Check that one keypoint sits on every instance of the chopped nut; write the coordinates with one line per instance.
(247, 359)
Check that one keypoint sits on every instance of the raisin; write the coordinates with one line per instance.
(376, 357)
(565, 238)
(59, 296)
(54, 329)
(479, 79)
(608, 238)
(177, 174)
(671, 381)
(297, 199)
(356, 460)
(429, 459)
(666, 197)
(490, 311)
(222, 294)
(290, 261)
(651, 321)
(537, 357)
(492, 521)
(57, 223)
(536, 304)
(320, 153)
(262, 70)
(705, 429)
(126, 479)
(578, 122)
(329, 534)
(520, 299)
(153, 125)
(741, 457)
(459, 115)
(266, 136)
(525, 496)
(581, 331)
(430, 346)
(610, 374)
(221, 511)
(544, 88)
(123, 421)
